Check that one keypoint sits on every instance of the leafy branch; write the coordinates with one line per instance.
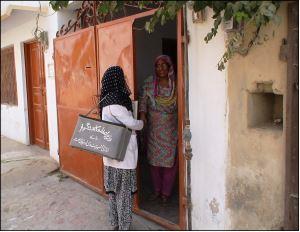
(246, 15)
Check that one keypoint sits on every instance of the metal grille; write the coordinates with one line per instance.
(88, 15)
(8, 77)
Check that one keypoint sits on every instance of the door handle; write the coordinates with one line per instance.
(296, 84)
(295, 196)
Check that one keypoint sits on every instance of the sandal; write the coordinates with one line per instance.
(154, 196)
(165, 200)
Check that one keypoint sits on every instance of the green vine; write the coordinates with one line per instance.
(246, 15)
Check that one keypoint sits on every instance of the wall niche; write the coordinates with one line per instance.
(265, 108)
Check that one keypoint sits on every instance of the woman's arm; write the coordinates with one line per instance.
(143, 99)
(143, 117)
(121, 113)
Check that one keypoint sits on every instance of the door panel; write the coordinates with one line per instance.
(181, 123)
(292, 122)
(38, 120)
(115, 44)
(76, 83)
(45, 103)
(36, 88)
(81, 164)
(75, 69)
(115, 47)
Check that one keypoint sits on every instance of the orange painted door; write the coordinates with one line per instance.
(36, 94)
(76, 84)
(115, 47)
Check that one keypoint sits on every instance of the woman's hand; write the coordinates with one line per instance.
(143, 117)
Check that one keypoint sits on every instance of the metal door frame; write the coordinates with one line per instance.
(181, 104)
(291, 221)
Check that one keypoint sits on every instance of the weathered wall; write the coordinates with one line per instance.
(256, 169)
(16, 30)
(208, 117)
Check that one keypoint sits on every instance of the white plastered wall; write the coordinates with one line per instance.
(15, 30)
(209, 126)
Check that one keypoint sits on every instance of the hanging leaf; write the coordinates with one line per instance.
(259, 12)
(104, 8)
(272, 8)
(113, 5)
(240, 16)
(57, 5)
(277, 20)
(159, 11)
(147, 26)
(199, 5)
(141, 4)
(163, 20)
(171, 10)
(217, 22)
(228, 13)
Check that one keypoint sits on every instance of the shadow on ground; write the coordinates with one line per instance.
(35, 195)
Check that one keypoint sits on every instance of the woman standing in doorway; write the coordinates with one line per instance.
(158, 109)
(119, 176)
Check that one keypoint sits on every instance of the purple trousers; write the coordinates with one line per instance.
(163, 178)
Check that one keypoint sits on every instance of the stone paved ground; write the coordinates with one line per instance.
(36, 196)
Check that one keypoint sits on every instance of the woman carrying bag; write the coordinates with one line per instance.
(119, 176)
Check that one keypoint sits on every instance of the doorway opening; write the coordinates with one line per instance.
(128, 45)
(36, 94)
(147, 47)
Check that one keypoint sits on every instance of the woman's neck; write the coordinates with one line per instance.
(163, 82)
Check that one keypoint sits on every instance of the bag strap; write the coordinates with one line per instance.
(116, 117)
(109, 111)
(96, 106)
